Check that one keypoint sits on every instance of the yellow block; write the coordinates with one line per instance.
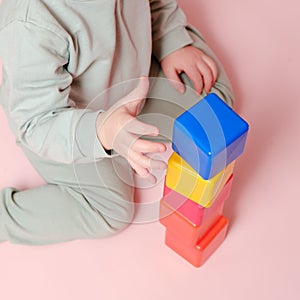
(183, 179)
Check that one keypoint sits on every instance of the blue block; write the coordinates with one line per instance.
(209, 136)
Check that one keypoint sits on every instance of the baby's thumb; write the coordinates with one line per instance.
(139, 93)
(141, 90)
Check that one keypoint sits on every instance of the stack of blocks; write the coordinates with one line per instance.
(207, 140)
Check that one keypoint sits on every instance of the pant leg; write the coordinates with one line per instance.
(80, 201)
(164, 104)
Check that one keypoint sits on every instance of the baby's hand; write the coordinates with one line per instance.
(199, 67)
(119, 129)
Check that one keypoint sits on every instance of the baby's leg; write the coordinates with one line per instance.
(164, 103)
(80, 201)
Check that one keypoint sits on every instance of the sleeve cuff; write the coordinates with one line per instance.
(170, 42)
(86, 137)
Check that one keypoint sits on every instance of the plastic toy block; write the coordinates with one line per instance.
(183, 179)
(209, 136)
(198, 254)
(191, 211)
(183, 228)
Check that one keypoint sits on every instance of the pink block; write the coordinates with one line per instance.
(190, 210)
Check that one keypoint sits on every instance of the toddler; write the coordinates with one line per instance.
(84, 83)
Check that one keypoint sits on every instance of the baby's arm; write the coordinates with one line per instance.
(42, 115)
(37, 87)
(171, 45)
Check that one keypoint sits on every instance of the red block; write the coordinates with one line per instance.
(192, 211)
(198, 254)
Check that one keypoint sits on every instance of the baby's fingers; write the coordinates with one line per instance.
(174, 79)
(143, 172)
(195, 76)
(147, 162)
(207, 75)
(209, 72)
(144, 146)
(139, 128)
(212, 65)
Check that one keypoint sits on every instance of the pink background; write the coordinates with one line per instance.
(259, 44)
